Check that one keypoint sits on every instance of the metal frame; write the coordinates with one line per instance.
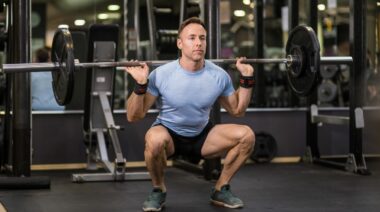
(355, 161)
(102, 124)
(259, 96)
(18, 125)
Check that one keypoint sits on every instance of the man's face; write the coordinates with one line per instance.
(192, 42)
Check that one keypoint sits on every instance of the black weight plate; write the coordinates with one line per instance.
(327, 91)
(329, 71)
(62, 53)
(304, 46)
(265, 148)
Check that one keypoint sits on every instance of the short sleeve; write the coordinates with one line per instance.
(152, 85)
(228, 86)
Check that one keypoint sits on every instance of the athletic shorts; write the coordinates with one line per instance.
(189, 147)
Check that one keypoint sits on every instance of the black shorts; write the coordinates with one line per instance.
(189, 147)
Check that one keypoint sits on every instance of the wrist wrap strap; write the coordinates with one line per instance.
(140, 89)
(246, 82)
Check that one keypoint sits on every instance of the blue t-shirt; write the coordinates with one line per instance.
(42, 92)
(185, 98)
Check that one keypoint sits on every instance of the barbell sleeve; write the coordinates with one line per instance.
(28, 67)
(337, 60)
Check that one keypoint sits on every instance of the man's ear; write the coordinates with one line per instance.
(179, 43)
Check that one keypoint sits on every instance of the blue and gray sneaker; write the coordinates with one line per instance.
(155, 200)
(225, 198)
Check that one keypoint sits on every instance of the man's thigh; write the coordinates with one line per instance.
(222, 138)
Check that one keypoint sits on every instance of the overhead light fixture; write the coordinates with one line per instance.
(79, 22)
(63, 26)
(239, 13)
(113, 7)
(378, 4)
(321, 7)
(163, 10)
(103, 16)
(251, 17)
(246, 2)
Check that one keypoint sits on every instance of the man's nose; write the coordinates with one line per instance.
(198, 41)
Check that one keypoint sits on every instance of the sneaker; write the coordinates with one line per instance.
(225, 198)
(155, 200)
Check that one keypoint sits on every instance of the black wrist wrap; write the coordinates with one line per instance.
(246, 82)
(140, 89)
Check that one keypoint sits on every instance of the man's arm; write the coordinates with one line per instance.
(138, 105)
(139, 101)
(237, 103)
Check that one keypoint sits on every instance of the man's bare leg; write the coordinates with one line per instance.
(158, 145)
(236, 141)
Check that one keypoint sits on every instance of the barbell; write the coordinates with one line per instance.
(302, 62)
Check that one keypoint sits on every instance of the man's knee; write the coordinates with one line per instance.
(155, 142)
(247, 138)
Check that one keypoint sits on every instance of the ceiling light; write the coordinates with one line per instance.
(251, 17)
(321, 7)
(239, 13)
(113, 7)
(79, 22)
(103, 16)
(246, 2)
(378, 4)
(63, 26)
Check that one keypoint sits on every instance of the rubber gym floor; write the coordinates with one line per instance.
(263, 187)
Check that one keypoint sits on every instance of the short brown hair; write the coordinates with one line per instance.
(192, 20)
(42, 55)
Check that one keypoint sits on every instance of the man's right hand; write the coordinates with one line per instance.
(139, 73)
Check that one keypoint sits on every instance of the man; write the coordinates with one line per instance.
(41, 87)
(185, 90)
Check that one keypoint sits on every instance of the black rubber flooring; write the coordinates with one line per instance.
(262, 187)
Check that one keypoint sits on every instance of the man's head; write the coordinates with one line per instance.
(192, 39)
(42, 55)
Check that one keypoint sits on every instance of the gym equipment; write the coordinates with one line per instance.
(31, 182)
(329, 71)
(327, 91)
(100, 130)
(102, 124)
(62, 53)
(302, 63)
(265, 148)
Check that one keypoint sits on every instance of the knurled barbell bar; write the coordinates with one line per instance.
(302, 62)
